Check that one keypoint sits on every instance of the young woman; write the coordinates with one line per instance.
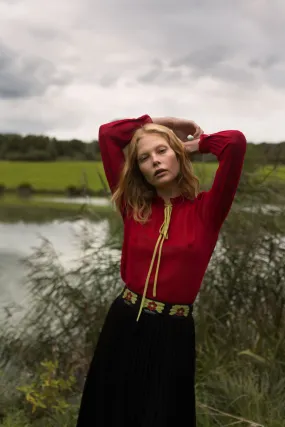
(143, 370)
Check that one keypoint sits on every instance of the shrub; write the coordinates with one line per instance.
(240, 318)
(48, 390)
(25, 190)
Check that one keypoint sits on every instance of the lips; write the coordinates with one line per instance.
(158, 171)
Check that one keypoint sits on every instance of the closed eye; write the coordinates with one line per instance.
(159, 151)
(142, 159)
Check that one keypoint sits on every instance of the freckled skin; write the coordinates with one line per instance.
(155, 153)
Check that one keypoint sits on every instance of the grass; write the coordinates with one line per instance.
(13, 200)
(279, 173)
(36, 209)
(51, 175)
(58, 176)
(240, 377)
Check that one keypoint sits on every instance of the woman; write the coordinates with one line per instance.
(143, 370)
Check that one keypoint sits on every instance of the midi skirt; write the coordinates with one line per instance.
(143, 372)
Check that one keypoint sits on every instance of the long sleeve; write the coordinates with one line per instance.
(229, 147)
(113, 138)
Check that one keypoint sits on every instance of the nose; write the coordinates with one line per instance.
(155, 160)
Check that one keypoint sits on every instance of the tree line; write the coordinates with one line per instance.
(15, 147)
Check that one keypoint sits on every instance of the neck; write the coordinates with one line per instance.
(168, 193)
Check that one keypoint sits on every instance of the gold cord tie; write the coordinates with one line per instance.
(163, 234)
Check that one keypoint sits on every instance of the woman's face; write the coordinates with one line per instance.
(157, 161)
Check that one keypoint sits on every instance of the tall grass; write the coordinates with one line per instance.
(239, 314)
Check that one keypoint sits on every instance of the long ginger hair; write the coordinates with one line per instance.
(134, 194)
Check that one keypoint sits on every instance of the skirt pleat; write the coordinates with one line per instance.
(142, 373)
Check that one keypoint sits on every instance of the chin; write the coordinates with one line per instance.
(164, 182)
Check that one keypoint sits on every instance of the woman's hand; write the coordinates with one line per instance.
(183, 128)
(192, 146)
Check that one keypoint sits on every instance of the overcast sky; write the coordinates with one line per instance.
(67, 66)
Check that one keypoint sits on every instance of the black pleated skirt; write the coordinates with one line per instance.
(142, 373)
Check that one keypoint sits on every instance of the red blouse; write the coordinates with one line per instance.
(194, 225)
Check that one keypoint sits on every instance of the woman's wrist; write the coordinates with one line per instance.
(192, 146)
(165, 121)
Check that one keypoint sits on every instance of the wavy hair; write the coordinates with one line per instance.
(134, 194)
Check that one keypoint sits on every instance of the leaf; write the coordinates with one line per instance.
(252, 355)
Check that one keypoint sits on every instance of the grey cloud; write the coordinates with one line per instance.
(276, 77)
(204, 58)
(46, 33)
(108, 80)
(161, 76)
(151, 75)
(236, 74)
(37, 117)
(24, 125)
(234, 41)
(223, 72)
(10, 1)
(103, 43)
(267, 62)
(217, 61)
(23, 76)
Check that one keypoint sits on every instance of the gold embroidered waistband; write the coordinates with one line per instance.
(156, 307)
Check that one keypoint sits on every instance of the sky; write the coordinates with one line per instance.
(68, 66)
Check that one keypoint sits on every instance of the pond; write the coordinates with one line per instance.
(20, 237)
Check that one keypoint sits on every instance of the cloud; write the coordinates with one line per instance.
(205, 58)
(265, 63)
(161, 74)
(68, 66)
(24, 76)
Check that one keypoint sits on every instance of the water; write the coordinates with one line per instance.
(18, 240)
(94, 201)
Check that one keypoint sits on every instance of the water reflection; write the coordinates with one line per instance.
(93, 201)
(19, 240)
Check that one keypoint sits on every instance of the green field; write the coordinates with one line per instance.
(51, 175)
(58, 176)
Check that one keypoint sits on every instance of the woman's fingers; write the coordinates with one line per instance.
(185, 128)
(198, 132)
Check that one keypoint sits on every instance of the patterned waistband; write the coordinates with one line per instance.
(155, 307)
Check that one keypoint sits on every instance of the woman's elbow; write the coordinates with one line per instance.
(103, 129)
(238, 139)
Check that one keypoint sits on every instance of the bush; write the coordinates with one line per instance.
(2, 189)
(35, 155)
(17, 418)
(25, 190)
(48, 391)
(72, 191)
(240, 318)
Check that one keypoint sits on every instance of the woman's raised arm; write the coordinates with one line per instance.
(229, 147)
(113, 138)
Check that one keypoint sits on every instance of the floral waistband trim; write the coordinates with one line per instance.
(156, 307)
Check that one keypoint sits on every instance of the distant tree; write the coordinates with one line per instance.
(44, 148)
